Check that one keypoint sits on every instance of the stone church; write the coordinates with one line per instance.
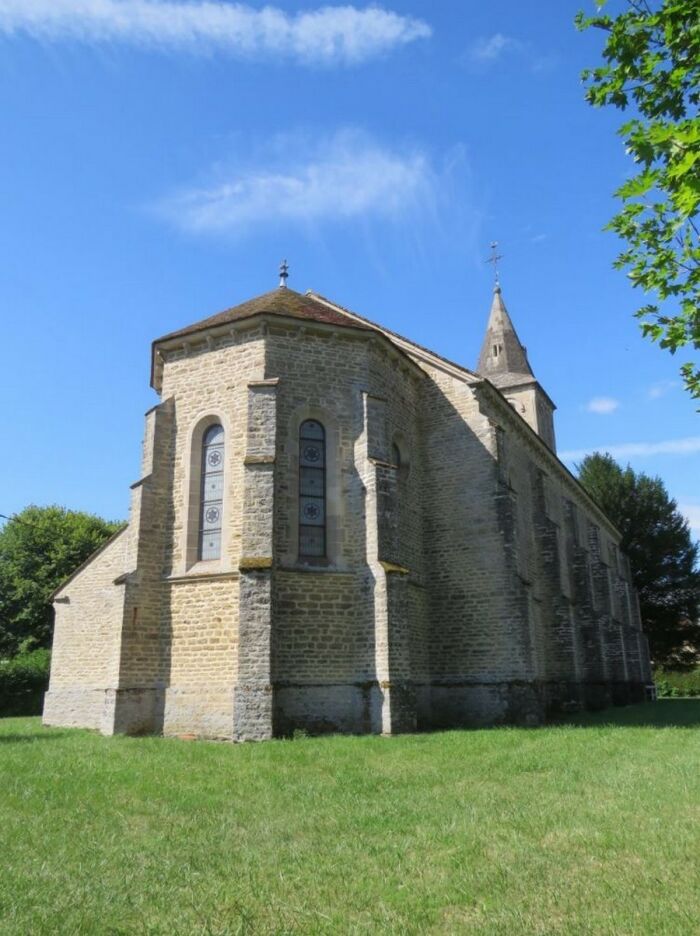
(336, 529)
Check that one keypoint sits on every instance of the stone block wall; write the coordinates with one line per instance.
(580, 596)
(85, 658)
(468, 579)
(478, 633)
(210, 381)
(200, 647)
(334, 665)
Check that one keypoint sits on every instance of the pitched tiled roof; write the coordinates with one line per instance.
(285, 302)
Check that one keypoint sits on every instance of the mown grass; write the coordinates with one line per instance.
(588, 827)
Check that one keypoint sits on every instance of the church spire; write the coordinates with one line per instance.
(503, 357)
(503, 360)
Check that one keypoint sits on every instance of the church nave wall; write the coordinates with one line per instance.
(85, 657)
(569, 561)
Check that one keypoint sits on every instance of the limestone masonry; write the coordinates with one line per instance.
(336, 529)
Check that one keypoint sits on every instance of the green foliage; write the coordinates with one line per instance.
(39, 548)
(656, 537)
(673, 684)
(23, 681)
(567, 830)
(652, 66)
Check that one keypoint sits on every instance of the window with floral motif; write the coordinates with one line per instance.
(212, 494)
(312, 489)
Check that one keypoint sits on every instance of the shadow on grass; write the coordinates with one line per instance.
(27, 739)
(24, 729)
(666, 713)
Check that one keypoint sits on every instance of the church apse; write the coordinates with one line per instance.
(383, 541)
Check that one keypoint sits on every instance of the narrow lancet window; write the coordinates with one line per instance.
(312, 489)
(212, 495)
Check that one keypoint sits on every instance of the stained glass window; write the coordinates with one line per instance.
(212, 495)
(312, 489)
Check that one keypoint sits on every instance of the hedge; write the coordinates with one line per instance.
(23, 681)
(677, 683)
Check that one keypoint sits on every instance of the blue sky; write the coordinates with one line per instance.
(158, 159)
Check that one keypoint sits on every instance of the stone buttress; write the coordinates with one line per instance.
(465, 577)
(253, 701)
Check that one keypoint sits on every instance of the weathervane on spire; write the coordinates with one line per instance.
(494, 258)
(284, 274)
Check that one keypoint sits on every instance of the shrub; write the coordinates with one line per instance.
(39, 548)
(677, 683)
(23, 681)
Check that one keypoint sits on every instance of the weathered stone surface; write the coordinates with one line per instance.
(468, 579)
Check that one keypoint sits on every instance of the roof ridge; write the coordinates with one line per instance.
(308, 306)
(394, 335)
(276, 301)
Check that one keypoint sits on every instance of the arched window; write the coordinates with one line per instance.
(212, 493)
(399, 458)
(312, 489)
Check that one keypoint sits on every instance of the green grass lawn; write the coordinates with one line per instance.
(588, 827)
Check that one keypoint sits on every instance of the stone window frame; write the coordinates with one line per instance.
(317, 497)
(192, 488)
(334, 501)
(211, 510)
(398, 441)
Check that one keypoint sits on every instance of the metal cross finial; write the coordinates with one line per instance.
(494, 258)
(284, 273)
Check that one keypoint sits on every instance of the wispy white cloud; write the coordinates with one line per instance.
(661, 388)
(687, 446)
(691, 511)
(348, 176)
(326, 35)
(488, 49)
(602, 405)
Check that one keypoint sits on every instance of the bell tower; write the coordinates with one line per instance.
(503, 361)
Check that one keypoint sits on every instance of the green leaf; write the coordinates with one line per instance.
(650, 67)
(639, 185)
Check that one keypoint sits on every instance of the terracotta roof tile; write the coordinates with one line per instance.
(285, 302)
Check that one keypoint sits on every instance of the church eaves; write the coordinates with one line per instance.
(282, 301)
(285, 302)
(309, 306)
(503, 359)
